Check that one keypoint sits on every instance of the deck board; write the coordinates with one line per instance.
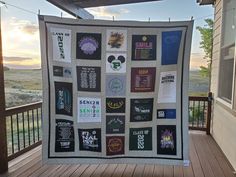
(69, 171)
(89, 171)
(109, 170)
(168, 171)
(188, 171)
(206, 160)
(178, 171)
(138, 172)
(196, 165)
(52, 169)
(158, 171)
(129, 170)
(98, 172)
(119, 170)
(31, 170)
(148, 170)
(60, 170)
(213, 162)
(202, 157)
(220, 158)
(79, 171)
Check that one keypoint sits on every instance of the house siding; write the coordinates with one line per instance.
(223, 127)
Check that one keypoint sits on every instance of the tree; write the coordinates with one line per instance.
(206, 44)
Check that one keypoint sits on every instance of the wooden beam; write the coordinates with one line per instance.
(72, 9)
(76, 7)
(96, 3)
(3, 135)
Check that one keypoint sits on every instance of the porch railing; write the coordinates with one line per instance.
(24, 124)
(200, 113)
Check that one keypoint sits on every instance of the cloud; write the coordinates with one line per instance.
(24, 26)
(21, 62)
(196, 60)
(17, 66)
(124, 11)
(105, 12)
(30, 29)
(16, 59)
(21, 38)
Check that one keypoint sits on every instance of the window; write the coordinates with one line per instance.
(226, 78)
(226, 73)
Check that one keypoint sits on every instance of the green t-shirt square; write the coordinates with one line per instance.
(140, 139)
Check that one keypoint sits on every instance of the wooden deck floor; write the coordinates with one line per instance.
(206, 158)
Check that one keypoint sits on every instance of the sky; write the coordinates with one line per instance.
(20, 35)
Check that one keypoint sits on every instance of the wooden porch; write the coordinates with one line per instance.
(206, 158)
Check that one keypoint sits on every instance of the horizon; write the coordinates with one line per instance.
(19, 68)
(21, 47)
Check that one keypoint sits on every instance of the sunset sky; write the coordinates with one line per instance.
(20, 33)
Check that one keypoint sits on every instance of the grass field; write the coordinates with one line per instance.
(22, 86)
(198, 86)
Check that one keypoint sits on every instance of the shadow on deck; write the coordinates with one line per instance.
(206, 158)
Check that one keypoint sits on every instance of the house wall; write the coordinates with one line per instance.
(224, 119)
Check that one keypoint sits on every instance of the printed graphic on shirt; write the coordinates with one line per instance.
(89, 78)
(166, 139)
(63, 98)
(115, 145)
(143, 79)
(88, 46)
(115, 105)
(90, 139)
(141, 110)
(116, 40)
(144, 47)
(61, 44)
(140, 139)
(115, 124)
(64, 136)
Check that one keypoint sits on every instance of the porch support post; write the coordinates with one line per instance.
(3, 135)
(208, 131)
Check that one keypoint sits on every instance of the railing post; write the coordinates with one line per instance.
(208, 131)
(3, 135)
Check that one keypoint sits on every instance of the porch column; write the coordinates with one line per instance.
(3, 135)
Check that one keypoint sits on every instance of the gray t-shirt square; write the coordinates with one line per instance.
(115, 85)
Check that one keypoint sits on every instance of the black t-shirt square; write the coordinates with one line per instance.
(166, 139)
(64, 136)
(115, 105)
(88, 46)
(141, 110)
(90, 139)
(89, 78)
(144, 47)
(63, 98)
(115, 124)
